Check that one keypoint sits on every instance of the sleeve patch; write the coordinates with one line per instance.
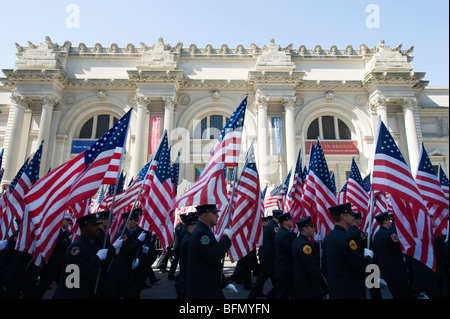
(204, 240)
(353, 245)
(307, 249)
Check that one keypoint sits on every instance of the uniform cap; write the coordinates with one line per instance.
(341, 209)
(89, 219)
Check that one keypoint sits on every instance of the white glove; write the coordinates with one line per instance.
(318, 238)
(135, 263)
(102, 254)
(3, 244)
(227, 232)
(145, 249)
(141, 237)
(231, 288)
(118, 243)
(368, 253)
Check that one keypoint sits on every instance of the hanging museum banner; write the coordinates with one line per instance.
(153, 139)
(336, 147)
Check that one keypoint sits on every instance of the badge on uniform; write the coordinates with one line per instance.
(204, 240)
(353, 245)
(307, 249)
(75, 251)
(276, 229)
(394, 237)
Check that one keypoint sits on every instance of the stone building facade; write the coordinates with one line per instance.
(70, 95)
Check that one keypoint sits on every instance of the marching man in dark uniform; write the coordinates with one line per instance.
(190, 222)
(267, 257)
(308, 279)
(345, 266)
(389, 258)
(179, 232)
(87, 254)
(127, 260)
(283, 258)
(205, 277)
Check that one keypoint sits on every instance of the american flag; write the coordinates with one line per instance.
(102, 162)
(277, 196)
(318, 192)
(156, 215)
(443, 180)
(366, 183)
(15, 201)
(356, 194)
(391, 174)
(246, 218)
(342, 196)
(7, 226)
(294, 200)
(210, 187)
(432, 192)
(95, 203)
(49, 198)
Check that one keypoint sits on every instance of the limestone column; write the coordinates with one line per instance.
(49, 103)
(409, 103)
(379, 104)
(169, 107)
(18, 104)
(139, 159)
(291, 156)
(263, 158)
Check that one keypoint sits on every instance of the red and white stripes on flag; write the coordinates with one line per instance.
(318, 192)
(391, 174)
(247, 211)
(158, 213)
(210, 187)
(356, 194)
(432, 193)
(48, 199)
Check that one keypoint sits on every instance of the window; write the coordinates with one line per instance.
(210, 127)
(328, 128)
(97, 125)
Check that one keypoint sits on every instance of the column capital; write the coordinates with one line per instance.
(50, 101)
(170, 102)
(288, 102)
(378, 102)
(409, 102)
(262, 101)
(142, 101)
(20, 100)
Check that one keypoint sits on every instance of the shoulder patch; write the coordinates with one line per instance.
(307, 249)
(276, 229)
(394, 237)
(124, 237)
(204, 240)
(363, 236)
(353, 245)
(75, 251)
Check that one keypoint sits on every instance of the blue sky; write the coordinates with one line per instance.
(422, 24)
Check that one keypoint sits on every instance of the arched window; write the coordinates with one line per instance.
(210, 127)
(328, 128)
(96, 126)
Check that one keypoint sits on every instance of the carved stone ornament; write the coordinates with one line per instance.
(184, 99)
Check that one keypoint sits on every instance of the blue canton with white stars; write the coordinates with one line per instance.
(236, 120)
(163, 171)
(355, 174)
(425, 163)
(386, 144)
(110, 140)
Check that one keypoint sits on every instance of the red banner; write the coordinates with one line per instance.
(336, 147)
(153, 138)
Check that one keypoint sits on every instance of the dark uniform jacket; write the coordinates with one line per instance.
(204, 263)
(388, 255)
(283, 253)
(345, 266)
(267, 250)
(308, 279)
(181, 282)
(82, 253)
